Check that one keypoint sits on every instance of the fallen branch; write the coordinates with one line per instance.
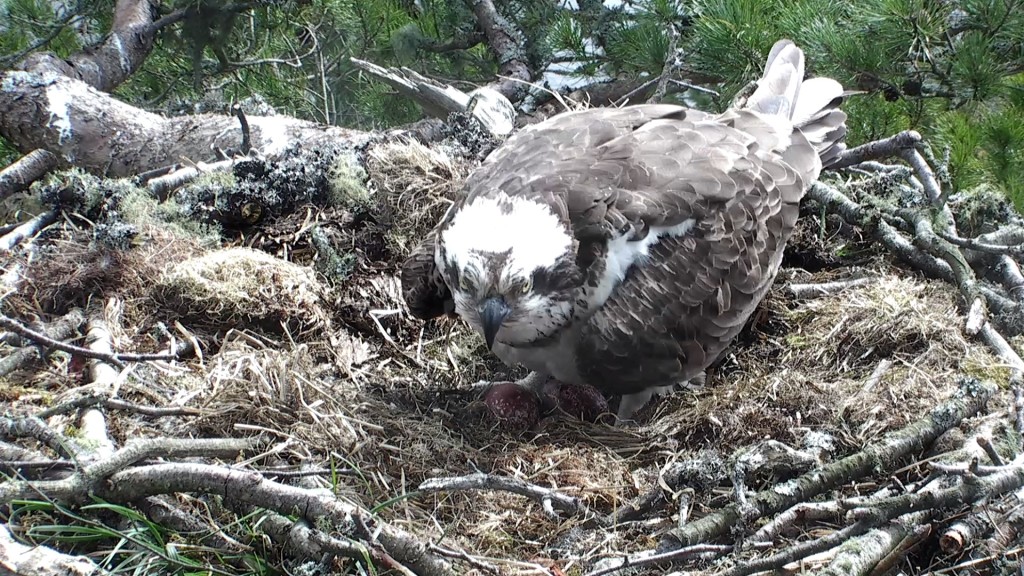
(117, 359)
(28, 229)
(244, 488)
(29, 168)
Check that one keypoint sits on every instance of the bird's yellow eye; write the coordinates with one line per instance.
(528, 285)
(465, 284)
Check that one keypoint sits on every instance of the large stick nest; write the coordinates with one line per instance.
(327, 361)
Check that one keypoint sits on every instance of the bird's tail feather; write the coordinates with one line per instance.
(811, 106)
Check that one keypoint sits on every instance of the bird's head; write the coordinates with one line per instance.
(510, 263)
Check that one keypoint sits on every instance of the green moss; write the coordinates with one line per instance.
(347, 184)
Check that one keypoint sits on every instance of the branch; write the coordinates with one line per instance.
(29, 168)
(117, 359)
(107, 65)
(886, 452)
(885, 148)
(505, 43)
(28, 229)
(62, 329)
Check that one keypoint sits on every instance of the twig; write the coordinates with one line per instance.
(246, 140)
(25, 171)
(30, 228)
(669, 66)
(650, 558)
(887, 451)
(465, 557)
(61, 329)
(117, 359)
(548, 498)
(116, 404)
(990, 450)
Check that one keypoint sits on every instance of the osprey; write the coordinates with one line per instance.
(625, 248)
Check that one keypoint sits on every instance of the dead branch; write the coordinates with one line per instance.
(884, 453)
(164, 511)
(877, 551)
(117, 404)
(653, 558)
(244, 488)
(495, 113)
(885, 148)
(25, 171)
(61, 329)
(968, 489)
(28, 229)
(107, 65)
(668, 68)
(549, 499)
(964, 532)
(30, 427)
(161, 186)
(117, 359)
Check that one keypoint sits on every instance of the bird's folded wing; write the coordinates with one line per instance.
(677, 309)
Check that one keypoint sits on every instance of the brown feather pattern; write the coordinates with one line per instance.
(638, 168)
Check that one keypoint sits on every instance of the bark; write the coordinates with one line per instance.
(100, 134)
(24, 172)
(506, 44)
(107, 65)
(884, 453)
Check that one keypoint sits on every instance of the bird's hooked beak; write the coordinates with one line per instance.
(493, 312)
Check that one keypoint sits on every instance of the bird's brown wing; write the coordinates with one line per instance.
(425, 291)
(679, 308)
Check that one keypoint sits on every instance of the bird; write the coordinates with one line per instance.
(624, 248)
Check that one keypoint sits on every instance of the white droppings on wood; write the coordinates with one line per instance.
(122, 54)
(273, 133)
(787, 488)
(59, 106)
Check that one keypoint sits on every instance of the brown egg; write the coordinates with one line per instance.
(517, 408)
(582, 401)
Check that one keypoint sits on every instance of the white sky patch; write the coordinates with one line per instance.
(531, 230)
(59, 107)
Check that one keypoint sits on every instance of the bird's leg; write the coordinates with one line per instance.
(630, 403)
(543, 386)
